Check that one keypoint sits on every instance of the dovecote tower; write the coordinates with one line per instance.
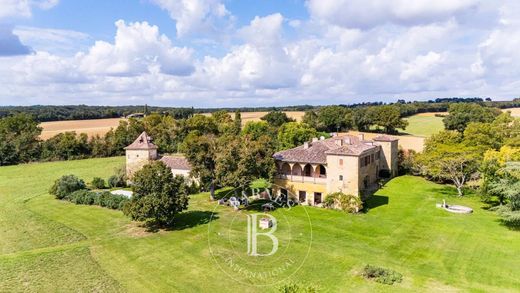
(140, 153)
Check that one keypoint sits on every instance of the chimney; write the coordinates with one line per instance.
(361, 136)
(333, 134)
(347, 140)
(339, 142)
(314, 139)
(306, 145)
(322, 137)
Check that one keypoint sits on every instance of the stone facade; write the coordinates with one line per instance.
(143, 151)
(346, 164)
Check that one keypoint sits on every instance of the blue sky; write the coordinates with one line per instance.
(213, 53)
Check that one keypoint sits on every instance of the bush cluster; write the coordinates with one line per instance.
(104, 199)
(382, 275)
(66, 185)
(73, 189)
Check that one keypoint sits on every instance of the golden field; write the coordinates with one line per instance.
(90, 127)
(102, 126)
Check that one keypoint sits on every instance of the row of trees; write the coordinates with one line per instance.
(338, 118)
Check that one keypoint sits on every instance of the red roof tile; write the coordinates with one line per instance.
(143, 142)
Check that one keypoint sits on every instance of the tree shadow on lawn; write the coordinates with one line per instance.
(256, 205)
(375, 201)
(184, 220)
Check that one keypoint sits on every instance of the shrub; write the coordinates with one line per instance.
(66, 185)
(118, 179)
(346, 202)
(382, 275)
(98, 183)
(82, 196)
(111, 201)
(297, 288)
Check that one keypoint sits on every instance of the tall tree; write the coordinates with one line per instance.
(201, 151)
(158, 196)
(454, 162)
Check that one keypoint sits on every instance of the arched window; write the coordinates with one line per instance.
(321, 171)
(286, 169)
(297, 170)
(307, 170)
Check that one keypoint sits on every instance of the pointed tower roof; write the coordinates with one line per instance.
(143, 142)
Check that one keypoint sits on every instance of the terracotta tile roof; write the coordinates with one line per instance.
(143, 142)
(176, 162)
(317, 151)
(385, 138)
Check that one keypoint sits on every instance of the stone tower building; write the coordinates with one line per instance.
(140, 153)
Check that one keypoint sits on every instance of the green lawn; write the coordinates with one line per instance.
(423, 125)
(48, 245)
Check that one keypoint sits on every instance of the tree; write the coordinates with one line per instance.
(158, 196)
(221, 116)
(240, 160)
(202, 124)
(237, 122)
(361, 119)
(276, 118)
(19, 139)
(388, 117)
(201, 151)
(496, 172)
(334, 118)
(454, 162)
(66, 146)
(255, 129)
(66, 185)
(442, 137)
(461, 114)
(310, 118)
(293, 134)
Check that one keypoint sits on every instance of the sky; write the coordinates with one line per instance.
(225, 53)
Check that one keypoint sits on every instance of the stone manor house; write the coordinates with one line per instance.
(343, 163)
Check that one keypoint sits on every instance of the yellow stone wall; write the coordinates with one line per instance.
(294, 188)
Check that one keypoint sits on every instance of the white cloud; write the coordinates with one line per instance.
(196, 16)
(317, 61)
(23, 8)
(56, 41)
(138, 48)
(370, 13)
(262, 62)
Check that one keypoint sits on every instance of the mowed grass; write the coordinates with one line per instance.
(422, 125)
(85, 248)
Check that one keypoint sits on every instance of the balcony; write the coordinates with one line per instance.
(302, 179)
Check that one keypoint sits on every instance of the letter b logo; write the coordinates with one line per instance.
(252, 234)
